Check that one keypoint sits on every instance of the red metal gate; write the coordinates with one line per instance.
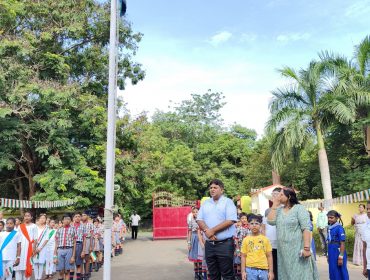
(170, 215)
(170, 222)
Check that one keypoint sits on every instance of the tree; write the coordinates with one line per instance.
(362, 55)
(53, 85)
(354, 81)
(304, 109)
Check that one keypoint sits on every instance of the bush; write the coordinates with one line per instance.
(350, 240)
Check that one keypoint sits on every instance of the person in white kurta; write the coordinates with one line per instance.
(10, 251)
(20, 270)
(50, 247)
(39, 258)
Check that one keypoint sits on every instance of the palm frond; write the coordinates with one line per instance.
(342, 108)
(289, 72)
(362, 54)
(331, 60)
(289, 138)
(280, 118)
(286, 97)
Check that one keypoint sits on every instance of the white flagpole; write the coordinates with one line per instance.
(111, 138)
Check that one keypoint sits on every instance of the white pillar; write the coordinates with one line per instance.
(111, 141)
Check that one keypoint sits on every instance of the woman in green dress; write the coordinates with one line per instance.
(295, 260)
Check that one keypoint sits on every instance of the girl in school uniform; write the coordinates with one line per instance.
(101, 243)
(96, 248)
(202, 254)
(242, 230)
(28, 231)
(313, 246)
(39, 256)
(193, 244)
(50, 247)
(117, 235)
(337, 256)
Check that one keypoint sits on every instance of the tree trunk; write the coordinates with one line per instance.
(20, 190)
(276, 178)
(32, 186)
(323, 164)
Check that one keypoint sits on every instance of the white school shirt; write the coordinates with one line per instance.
(366, 238)
(10, 251)
(270, 232)
(135, 220)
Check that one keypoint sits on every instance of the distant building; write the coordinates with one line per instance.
(261, 198)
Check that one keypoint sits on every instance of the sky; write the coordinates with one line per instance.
(234, 47)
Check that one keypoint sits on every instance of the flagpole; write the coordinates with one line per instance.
(110, 163)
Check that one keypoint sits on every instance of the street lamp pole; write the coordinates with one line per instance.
(111, 139)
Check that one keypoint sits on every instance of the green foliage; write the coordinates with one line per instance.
(350, 240)
(53, 85)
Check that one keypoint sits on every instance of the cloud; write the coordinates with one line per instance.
(220, 37)
(292, 37)
(358, 9)
(173, 78)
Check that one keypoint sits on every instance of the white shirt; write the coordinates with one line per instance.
(366, 238)
(189, 218)
(270, 233)
(135, 220)
(10, 251)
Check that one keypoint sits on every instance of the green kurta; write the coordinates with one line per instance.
(289, 228)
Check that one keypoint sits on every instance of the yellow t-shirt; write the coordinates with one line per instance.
(255, 249)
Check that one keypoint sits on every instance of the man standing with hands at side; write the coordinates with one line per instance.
(322, 225)
(135, 219)
(216, 219)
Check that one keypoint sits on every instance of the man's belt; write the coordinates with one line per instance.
(214, 242)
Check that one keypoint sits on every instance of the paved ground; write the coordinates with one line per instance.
(145, 259)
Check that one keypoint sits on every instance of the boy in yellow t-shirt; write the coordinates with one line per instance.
(256, 253)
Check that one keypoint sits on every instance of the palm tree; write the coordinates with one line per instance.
(354, 81)
(303, 110)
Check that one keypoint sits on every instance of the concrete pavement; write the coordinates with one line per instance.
(144, 259)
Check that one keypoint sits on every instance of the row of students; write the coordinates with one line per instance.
(72, 247)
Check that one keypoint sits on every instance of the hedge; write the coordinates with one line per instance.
(350, 240)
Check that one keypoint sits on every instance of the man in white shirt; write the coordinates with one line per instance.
(135, 218)
(322, 228)
(270, 232)
(10, 250)
(366, 241)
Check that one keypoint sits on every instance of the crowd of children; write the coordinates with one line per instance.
(254, 258)
(70, 248)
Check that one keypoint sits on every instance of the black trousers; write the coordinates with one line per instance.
(134, 230)
(274, 260)
(220, 260)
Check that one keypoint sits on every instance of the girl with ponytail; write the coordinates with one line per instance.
(337, 256)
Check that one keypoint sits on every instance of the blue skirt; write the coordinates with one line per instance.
(337, 272)
(237, 259)
(193, 253)
(313, 248)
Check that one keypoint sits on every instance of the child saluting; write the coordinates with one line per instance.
(337, 256)
(256, 253)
